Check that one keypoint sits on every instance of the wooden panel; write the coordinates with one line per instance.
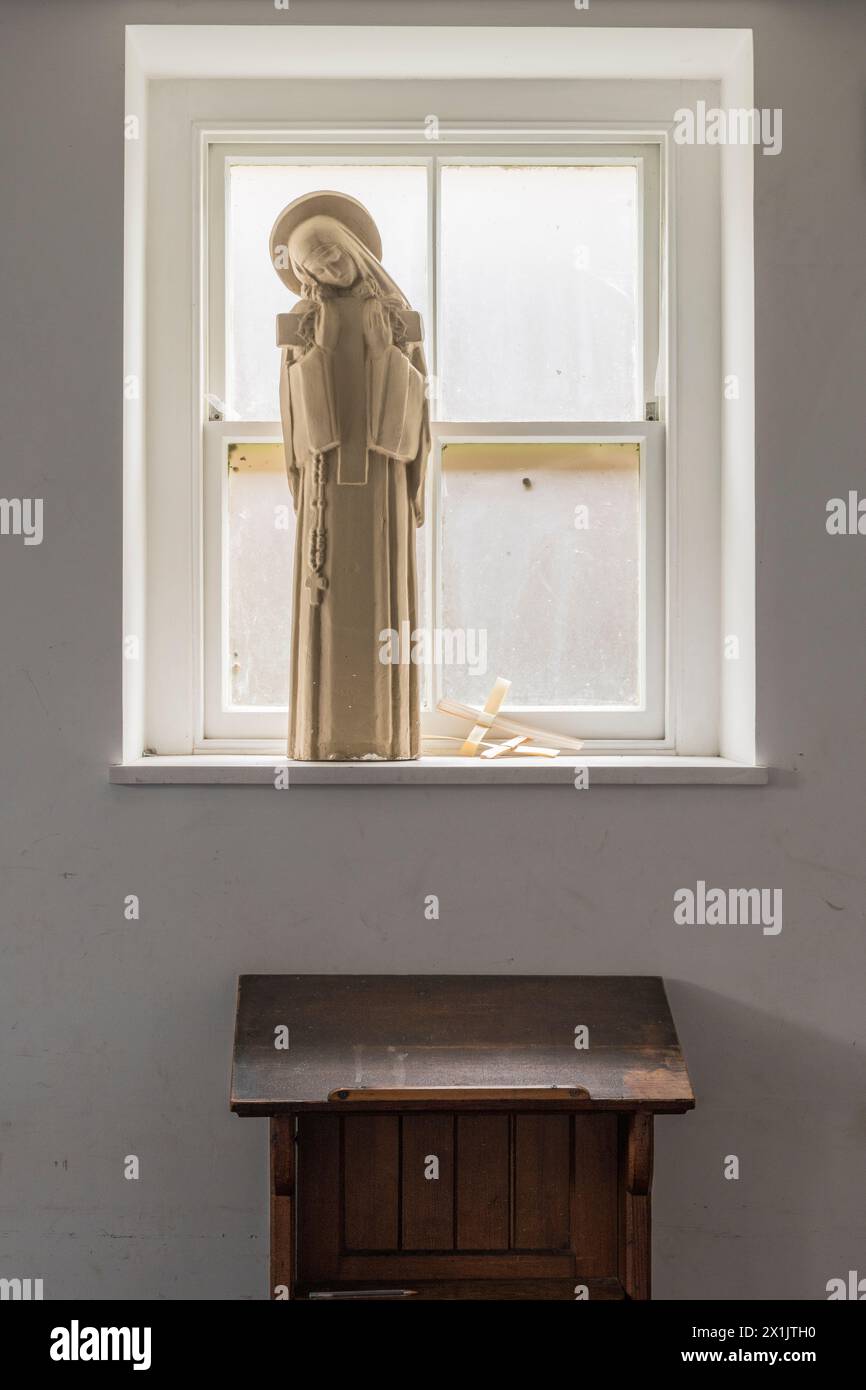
(523, 1265)
(428, 1203)
(403, 1032)
(477, 1095)
(483, 1165)
(636, 1171)
(542, 1186)
(318, 1160)
(595, 1199)
(638, 1247)
(371, 1181)
(517, 1289)
(639, 1168)
(282, 1146)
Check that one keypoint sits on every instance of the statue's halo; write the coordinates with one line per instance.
(346, 210)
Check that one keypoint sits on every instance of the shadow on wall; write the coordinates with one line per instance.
(796, 1206)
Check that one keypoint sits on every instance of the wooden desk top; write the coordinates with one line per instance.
(451, 1042)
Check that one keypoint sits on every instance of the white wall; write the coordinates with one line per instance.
(116, 1035)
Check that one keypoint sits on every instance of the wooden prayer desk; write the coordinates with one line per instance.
(462, 1137)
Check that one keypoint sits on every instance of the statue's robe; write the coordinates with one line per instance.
(356, 435)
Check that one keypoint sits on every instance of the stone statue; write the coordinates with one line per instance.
(356, 434)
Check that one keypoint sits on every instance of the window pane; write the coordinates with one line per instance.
(261, 533)
(539, 317)
(396, 195)
(541, 555)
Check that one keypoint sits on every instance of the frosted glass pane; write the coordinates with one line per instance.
(539, 316)
(259, 546)
(396, 195)
(261, 534)
(541, 558)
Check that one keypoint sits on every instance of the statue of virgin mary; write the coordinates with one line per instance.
(356, 435)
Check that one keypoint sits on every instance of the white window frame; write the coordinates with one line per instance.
(263, 729)
(632, 79)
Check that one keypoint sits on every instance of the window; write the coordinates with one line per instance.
(611, 402)
(537, 271)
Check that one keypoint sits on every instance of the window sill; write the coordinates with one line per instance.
(611, 770)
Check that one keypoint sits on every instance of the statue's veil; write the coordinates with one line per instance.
(317, 232)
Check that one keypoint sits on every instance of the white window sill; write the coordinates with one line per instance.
(611, 770)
